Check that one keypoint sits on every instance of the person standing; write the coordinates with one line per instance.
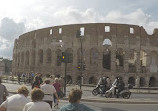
(58, 90)
(37, 104)
(49, 90)
(3, 92)
(74, 105)
(36, 83)
(17, 101)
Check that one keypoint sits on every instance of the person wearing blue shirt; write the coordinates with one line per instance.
(74, 102)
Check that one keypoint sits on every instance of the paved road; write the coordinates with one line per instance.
(116, 107)
(99, 106)
(87, 92)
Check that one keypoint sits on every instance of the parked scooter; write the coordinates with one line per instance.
(125, 93)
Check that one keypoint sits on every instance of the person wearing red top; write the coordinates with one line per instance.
(58, 90)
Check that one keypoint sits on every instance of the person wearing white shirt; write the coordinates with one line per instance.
(49, 90)
(37, 104)
(17, 101)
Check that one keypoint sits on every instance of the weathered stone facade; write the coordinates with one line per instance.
(133, 54)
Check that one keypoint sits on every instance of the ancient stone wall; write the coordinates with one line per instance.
(133, 53)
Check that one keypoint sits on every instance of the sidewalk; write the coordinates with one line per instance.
(88, 97)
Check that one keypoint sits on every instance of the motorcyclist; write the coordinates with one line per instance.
(120, 85)
(103, 84)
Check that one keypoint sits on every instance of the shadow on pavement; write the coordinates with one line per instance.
(111, 109)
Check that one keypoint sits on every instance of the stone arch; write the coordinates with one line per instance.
(120, 57)
(153, 62)
(79, 56)
(48, 55)
(27, 58)
(107, 42)
(70, 55)
(40, 56)
(58, 55)
(142, 82)
(107, 59)
(131, 80)
(33, 58)
(152, 81)
(92, 80)
(69, 79)
(93, 56)
(132, 61)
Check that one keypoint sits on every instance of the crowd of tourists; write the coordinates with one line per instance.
(44, 96)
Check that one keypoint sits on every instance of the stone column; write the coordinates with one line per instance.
(138, 62)
(113, 60)
(126, 67)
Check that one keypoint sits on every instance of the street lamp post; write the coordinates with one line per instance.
(78, 35)
(81, 64)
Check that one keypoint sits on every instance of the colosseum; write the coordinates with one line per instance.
(105, 49)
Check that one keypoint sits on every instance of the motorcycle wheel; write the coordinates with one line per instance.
(126, 95)
(95, 92)
(108, 95)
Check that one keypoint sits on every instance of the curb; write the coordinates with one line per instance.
(123, 101)
(111, 100)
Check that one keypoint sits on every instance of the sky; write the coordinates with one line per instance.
(20, 16)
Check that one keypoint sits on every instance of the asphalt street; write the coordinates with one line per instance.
(115, 106)
(102, 106)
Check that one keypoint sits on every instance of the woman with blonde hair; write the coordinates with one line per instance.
(17, 101)
(37, 104)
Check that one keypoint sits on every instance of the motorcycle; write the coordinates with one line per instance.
(124, 93)
(99, 89)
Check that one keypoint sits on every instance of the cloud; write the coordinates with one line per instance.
(72, 16)
(45, 17)
(9, 30)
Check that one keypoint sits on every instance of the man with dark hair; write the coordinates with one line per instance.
(74, 105)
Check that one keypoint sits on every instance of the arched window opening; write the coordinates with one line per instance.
(69, 52)
(59, 54)
(49, 56)
(40, 54)
(107, 59)
(33, 58)
(27, 58)
(131, 80)
(93, 56)
(107, 42)
(81, 56)
(142, 82)
(152, 82)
